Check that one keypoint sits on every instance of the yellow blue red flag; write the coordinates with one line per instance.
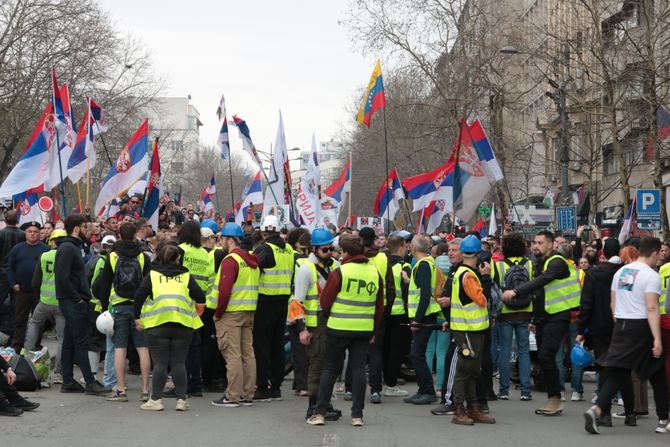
(374, 98)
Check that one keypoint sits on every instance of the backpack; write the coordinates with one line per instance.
(515, 276)
(27, 378)
(127, 276)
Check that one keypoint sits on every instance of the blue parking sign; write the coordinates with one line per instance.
(648, 209)
(566, 219)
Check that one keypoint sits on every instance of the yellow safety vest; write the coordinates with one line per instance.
(468, 317)
(212, 297)
(664, 271)
(414, 295)
(114, 299)
(499, 275)
(170, 302)
(381, 262)
(277, 280)
(199, 265)
(97, 270)
(354, 306)
(244, 294)
(311, 304)
(398, 307)
(561, 294)
(48, 287)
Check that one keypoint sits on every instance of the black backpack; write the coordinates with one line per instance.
(515, 276)
(27, 378)
(127, 276)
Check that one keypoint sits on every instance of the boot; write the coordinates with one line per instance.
(460, 416)
(553, 407)
(475, 413)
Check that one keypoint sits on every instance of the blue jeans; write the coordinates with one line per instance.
(518, 329)
(109, 379)
(577, 373)
(424, 378)
(75, 340)
(437, 351)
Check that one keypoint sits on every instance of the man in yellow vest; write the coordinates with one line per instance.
(277, 263)
(237, 286)
(353, 300)
(422, 310)
(44, 285)
(557, 291)
(125, 268)
(468, 322)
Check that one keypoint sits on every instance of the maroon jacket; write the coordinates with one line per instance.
(334, 283)
(228, 272)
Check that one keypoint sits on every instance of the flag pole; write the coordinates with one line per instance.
(104, 146)
(230, 175)
(88, 183)
(60, 171)
(386, 165)
(351, 179)
(81, 208)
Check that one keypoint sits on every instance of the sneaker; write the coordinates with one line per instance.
(57, 379)
(662, 425)
(594, 399)
(25, 405)
(153, 405)
(348, 396)
(275, 394)
(619, 415)
(619, 402)
(357, 422)
(225, 402)
(562, 396)
(392, 391)
(577, 397)
(97, 389)
(301, 393)
(182, 405)
(72, 387)
(526, 397)
(145, 397)
(262, 396)
(604, 420)
(120, 396)
(246, 402)
(9, 410)
(590, 424)
(443, 410)
(339, 388)
(424, 399)
(484, 408)
(631, 420)
(409, 399)
(316, 419)
(502, 396)
(375, 398)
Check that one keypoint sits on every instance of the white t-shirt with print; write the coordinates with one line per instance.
(631, 282)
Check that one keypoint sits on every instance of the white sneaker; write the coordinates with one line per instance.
(577, 397)
(662, 426)
(594, 399)
(619, 402)
(153, 405)
(393, 391)
(562, 396)
(182, 405)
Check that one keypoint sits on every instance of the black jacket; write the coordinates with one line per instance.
(9, 237)
(144, 291)
(70, 272)
(103, 284)
(266, 257)
(557, 269)
(595, 314)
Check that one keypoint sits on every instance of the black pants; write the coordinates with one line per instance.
(424, 376)
(397, 340)
(450, 361)
(376, 360)
(299, 359)
(269, 327)
(485, 380)
(468, 368)
(332, 366)
(24, 305)
(75, 340)
(550, 333)
(193, 367)
(7, 391)
(211, 360)
(169, 346)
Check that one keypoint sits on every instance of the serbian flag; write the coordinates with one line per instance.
(26, 205)
(374, 98)
(223, 140)
(247, 143)
(341, 185)
(662, 130)
(230, 215)
(388, 199)
(484, 150)
(152, 202)
(99, 118)
(431, 216)
(131, 166)
(252, 195)
(423, 187)
(67, 140)
(32, 168)
(207, 197)
(627, 227)
(57, 100)
(480, 227)
(83, 155)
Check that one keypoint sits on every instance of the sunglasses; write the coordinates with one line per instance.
(327, 249)
(135, 201)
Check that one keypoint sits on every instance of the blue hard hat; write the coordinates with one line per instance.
(406, 235)
(209, 223)
(471, 244)
(231, 229)
(321, 236)
(580, 357)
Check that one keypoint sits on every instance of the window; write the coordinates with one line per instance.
(177, 145)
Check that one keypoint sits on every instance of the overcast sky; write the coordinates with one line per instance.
(264, 55)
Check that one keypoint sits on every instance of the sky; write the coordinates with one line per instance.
(263, 55)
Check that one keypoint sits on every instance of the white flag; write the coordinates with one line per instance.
(493, 225)
(275, 193)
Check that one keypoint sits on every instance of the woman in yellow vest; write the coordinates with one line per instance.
(165, 308)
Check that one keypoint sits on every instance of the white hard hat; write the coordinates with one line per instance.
(270, 223)
(105, 323)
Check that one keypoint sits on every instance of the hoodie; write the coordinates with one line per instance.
(70, 274)
(144, 291)
(595, 314)
(103, 284)
(228, 271)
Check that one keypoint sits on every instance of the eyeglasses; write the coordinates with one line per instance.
(327, 249)
(135, 201)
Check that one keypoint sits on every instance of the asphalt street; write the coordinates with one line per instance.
(88, 421)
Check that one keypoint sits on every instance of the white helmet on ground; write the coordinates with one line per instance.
(105, 323)
(270, 223)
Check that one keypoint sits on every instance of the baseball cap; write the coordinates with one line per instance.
(206, 232)
(108, 240)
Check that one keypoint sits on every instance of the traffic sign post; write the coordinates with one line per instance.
(648, 209)
(566, 219)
